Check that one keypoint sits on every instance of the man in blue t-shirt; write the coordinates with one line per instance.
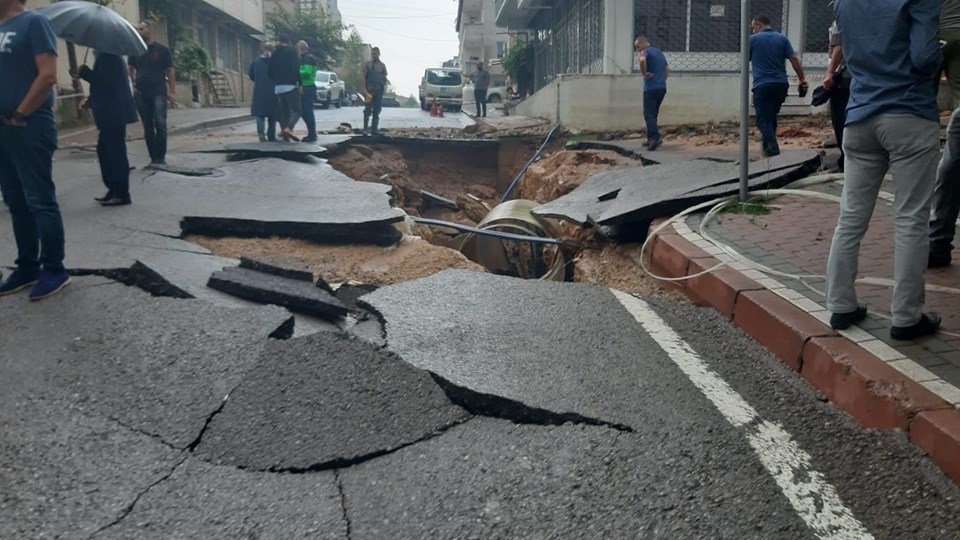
(655, 70)
(768, 50)
(28, 137)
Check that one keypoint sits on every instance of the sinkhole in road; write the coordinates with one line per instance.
(471, 175)
(462, 181)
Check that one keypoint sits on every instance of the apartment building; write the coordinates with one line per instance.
(481, 40)
(329, 7)
(67, 96)
(586, 66)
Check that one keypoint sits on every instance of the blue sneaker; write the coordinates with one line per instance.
(49, 284)
(17, 282)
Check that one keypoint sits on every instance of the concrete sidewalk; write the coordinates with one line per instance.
(180, 120)
(885, 384)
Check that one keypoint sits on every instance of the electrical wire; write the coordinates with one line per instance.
(527, 166)
(487, 232)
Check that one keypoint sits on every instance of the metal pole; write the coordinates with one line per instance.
(744, 98)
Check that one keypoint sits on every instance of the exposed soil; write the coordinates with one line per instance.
(473, 180)
(560, 173)
(371, 265)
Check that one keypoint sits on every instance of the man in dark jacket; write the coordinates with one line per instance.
(264, 106)
(284, 70)
(112, 104)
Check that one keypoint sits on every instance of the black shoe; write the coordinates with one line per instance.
(928, 324)
(106, 197)
(654, 144)
(842, 321)
(938, 260)
(116, 201)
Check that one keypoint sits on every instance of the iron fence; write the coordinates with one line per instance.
(570, 40)
(700, 35)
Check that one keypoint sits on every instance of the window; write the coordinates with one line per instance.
(322, 77)
(819, 16)
(333, 78)
(441, 77)
(698, 25)
(501, 48)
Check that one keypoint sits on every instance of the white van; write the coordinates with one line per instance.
(445, 85)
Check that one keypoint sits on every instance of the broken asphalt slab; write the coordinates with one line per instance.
(276, 198)
(635, 194)
(325, 401)
(294, 294)
(200, 500)
(506, 347)
(66, 474)
(490, 478)
(158, 365)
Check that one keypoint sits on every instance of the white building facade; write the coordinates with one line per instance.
(481, 40)
(586, 67)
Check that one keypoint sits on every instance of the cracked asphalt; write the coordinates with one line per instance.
(479, 407)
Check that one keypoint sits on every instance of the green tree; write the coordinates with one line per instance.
(351, 59)
(410, 102)
(324, 36)
(519, 62)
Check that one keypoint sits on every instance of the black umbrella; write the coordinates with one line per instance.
(94, 26)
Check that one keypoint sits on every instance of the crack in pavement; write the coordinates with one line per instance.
(154, 436)
(343, 463)
(481, 404)
(196, 442)
(343, 501)
(129, 509)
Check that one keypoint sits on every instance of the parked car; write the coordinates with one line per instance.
(495, 94)
(443, 85)
(330, 89)
(389, 101)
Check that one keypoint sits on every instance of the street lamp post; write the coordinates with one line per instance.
(744, 98)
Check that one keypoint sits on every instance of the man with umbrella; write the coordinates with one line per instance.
(28, 138)
(113, 108)
(154, 85)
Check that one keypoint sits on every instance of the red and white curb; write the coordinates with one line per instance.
(868, 379)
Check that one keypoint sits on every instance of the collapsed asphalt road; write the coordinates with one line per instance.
(479, 406)
(498, 408)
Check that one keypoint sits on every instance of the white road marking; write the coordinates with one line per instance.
(813, 498)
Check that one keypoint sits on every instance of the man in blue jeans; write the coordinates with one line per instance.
(28, 137)
(768, 50)
(154, 86)
(655, 70)
(892, 125)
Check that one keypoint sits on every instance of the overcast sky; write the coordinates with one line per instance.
(412, 35)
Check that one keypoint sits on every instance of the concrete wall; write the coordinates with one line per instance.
(615, 102)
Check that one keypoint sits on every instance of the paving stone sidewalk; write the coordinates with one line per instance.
(795, 238)
(179, 120)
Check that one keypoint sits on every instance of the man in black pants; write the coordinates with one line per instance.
(481, 83)
(284, 71)
(113, 109)
(768, 50)
(837, 81)
(154, 85)
(308, 81)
